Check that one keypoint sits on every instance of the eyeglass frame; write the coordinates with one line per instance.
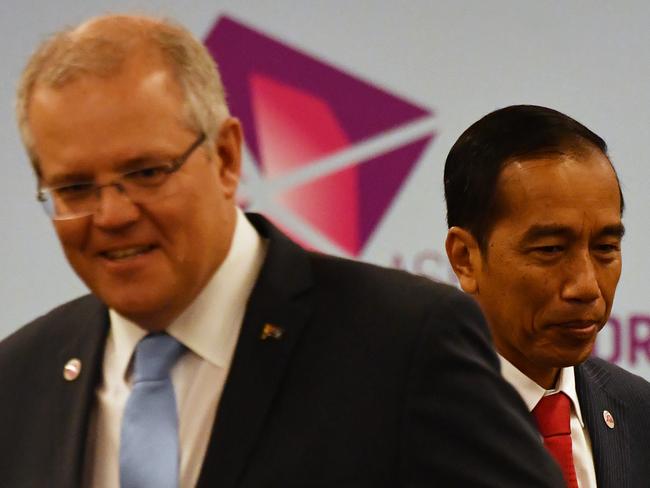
(45, 196)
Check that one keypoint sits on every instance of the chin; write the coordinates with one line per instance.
(134, 305)
(574, 357)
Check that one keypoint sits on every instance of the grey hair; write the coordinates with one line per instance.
(101, 45)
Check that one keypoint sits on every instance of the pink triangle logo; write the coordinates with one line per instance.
(284, 113)
(297, 112)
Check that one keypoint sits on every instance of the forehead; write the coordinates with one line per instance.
(571, 190)
(107, 117)
(141, 79)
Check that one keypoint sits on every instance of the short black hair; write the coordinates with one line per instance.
(479, 155)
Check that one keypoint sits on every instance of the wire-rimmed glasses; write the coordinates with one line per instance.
(140, 185)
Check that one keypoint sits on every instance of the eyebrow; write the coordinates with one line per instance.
(139, 161)
(540, 231)
(123, 166)
(67, 179)
(614, 230)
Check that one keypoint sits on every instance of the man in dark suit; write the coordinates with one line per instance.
(534, 209)
(285, 367)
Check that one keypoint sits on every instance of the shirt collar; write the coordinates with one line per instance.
(210, 326)
(532, 393)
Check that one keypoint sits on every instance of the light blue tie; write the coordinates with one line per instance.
(149, 453)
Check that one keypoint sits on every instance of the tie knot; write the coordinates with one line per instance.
(552, 414)
(155, 355)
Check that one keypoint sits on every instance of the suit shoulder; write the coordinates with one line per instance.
(360, 277)
(52, 327)
(384, 293)
(626, 385)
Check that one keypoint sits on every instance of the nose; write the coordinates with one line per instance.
(582, 280)
(114, 208)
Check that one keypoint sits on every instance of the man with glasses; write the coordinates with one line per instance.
(213, 351)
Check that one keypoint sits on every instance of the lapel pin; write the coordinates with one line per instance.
(609, 419)
(271, 331)
(72, 369)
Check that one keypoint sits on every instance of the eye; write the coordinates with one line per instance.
(149, 175)
(608, 249)
(548, 254)
(549, 250)
(75, 190)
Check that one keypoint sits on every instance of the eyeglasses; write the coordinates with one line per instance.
(144, 184)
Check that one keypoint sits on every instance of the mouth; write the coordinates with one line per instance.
(584, 329)
(126, 252)
(580, 324)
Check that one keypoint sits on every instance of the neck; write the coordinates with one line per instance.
(544, 376)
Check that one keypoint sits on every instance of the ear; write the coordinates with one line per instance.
(465, 258)
(228, 148)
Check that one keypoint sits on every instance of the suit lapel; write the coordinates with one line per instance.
(610, 446)
(277, 310)
(73, 399)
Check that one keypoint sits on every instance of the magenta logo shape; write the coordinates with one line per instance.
(321, 140)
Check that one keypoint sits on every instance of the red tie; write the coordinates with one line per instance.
(552, 414)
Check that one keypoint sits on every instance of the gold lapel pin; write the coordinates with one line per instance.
(72, 369)
(609, 419)
(271, 331)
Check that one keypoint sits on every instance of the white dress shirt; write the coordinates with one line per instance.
(209, 328)
(532, 393)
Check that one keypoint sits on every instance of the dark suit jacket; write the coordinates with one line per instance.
(381, 379)
(622, 454)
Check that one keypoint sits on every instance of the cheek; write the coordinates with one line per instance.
(607, 291)
(521, 296)
(608, 284)
(185, 224)
(536, 292)
(73, 235)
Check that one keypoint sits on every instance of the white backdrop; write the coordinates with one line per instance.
(455, 60)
